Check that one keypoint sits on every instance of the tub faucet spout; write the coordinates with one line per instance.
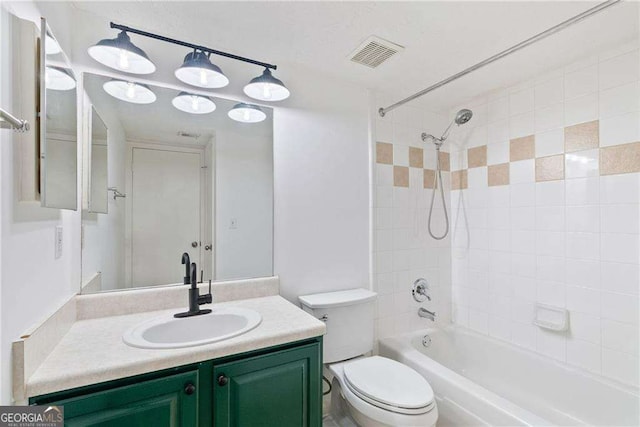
(423, 312)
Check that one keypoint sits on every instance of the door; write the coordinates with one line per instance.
(165, 402)
(166, 214)
(279, 389)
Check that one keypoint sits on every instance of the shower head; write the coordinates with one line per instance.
(463, 116)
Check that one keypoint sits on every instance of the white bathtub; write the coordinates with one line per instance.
(479, 380)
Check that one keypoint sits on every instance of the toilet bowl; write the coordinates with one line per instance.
(373, 391)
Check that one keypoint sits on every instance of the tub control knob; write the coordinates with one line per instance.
(223, 380)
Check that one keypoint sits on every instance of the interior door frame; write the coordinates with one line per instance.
(206, 194)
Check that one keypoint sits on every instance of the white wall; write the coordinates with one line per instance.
(243, 192)
(321, 179)
(571, 242)
(32, 282)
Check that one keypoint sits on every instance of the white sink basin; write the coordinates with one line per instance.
(169, 332)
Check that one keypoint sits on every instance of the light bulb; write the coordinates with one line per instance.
(203, 77)
(246, 116)
(123, 62)
(131, 91)
(194, 103)
(266, 92)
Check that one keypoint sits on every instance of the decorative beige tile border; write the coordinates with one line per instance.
(384, 156)
(620, 159)
(498, 174)
(583, 136)
(522, 148)
(384, 153)
(477, 156)
(550, 168)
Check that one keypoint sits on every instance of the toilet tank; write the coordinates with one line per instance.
(349, 317)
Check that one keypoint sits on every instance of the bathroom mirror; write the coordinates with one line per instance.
(196, 182)
(57, 126)
(97, 165)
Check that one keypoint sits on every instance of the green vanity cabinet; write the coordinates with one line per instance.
(279, 387)
(277, 390)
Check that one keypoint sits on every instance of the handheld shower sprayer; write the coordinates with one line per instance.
(462, 117)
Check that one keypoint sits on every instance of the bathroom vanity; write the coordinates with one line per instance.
(268, 376)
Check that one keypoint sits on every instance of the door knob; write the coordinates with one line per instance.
(208, 247)
(223, 380)
(194, 244)
(189, 389)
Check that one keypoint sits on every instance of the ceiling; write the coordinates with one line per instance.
(440, 38)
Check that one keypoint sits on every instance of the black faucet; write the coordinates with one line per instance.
(195, 300)
(187, 264)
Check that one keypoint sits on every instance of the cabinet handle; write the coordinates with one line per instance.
(223, 380)
(189, 389)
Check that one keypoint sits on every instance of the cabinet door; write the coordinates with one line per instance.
(278, 389)
(164, 402)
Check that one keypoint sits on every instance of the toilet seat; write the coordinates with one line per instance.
(389, 385)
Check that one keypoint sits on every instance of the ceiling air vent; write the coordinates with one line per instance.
(188, 134)
(374, 51)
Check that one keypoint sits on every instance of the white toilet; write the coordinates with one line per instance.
(376, 391)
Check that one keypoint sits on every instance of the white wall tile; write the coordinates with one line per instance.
(551, 117)
(523, 265)
(500, 328)
(549, 93)
(620, 307)
(616, 189)
(552, 344)
(619, 70)
(617, 247)
(523, 218)
(620, 218)
(583, 218)
(550, 218)
(477, 177)
(550, 142)
(583, 191)
(523, 242)
(581, 109)
(621, 129)
(498, 132)
(583, 300)
(585, 327)
(550, 268)
(498, 153)
(620, 100)
(498, 109)
(521, 101)
(479, 321)
(550, 243)
(620, 336)
(523, 194)
(525, 288)
(584, 355)
(583, 246)
(583, 273)
(581, 82)
(521, 125)
(550, 193)
(522, 171)
(620, 366)
(617, 277)
(524, 335)
(581, 164)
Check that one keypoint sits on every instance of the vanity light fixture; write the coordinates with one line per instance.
(266, 88)
(51, 45)
(57, 78)
(121, 54)
(197, 70)
(194, 104)
(136, 93)
(247, 113)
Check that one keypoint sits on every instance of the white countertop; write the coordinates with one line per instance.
(93, 351)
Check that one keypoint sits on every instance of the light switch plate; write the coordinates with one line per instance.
(58, 241)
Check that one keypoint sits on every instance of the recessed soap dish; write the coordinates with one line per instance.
(551, 317)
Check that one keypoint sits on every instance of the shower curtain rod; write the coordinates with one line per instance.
(561, 26)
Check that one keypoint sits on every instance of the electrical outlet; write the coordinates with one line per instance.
(234, 224)
(58, 241)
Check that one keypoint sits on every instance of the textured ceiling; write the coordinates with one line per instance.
(440, 38)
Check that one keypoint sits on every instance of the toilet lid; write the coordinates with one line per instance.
(388, 382)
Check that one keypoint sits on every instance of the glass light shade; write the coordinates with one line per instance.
(57, 78)
(194, 104)
(135, 93)
(266, 88)
(247, 113)
(51, 46)
(197, 70)
(122, 55)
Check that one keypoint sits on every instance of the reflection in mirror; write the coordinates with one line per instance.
(98, 178)
(58, 129)
(179, 181)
